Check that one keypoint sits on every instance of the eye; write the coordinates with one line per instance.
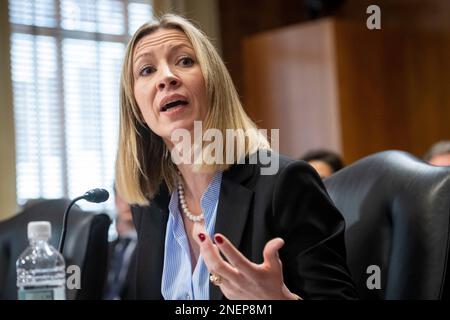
(147, 70)
(186, 62)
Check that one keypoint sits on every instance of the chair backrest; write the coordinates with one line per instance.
(86, 245)
(397, 211)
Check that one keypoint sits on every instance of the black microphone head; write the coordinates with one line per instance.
(96, 195)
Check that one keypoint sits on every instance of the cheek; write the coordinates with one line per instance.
(200, 91)
(138, 95)
(145, 99)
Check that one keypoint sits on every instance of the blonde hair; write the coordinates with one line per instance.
(143, 161)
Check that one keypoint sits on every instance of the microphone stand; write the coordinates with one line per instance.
(96, 195)
(64, 226)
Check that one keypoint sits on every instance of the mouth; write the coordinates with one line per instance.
(173, 104)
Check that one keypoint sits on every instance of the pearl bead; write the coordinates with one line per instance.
(184, 207)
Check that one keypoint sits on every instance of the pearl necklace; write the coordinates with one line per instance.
(185, 208)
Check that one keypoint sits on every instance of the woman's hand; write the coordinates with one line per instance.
(239, 278)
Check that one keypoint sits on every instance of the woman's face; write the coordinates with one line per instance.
(323, 169)
(168, 83)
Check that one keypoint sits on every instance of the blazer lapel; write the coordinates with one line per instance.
(232, 210)
(153, 228)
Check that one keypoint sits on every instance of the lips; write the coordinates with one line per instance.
(173, 104)
(172, 101)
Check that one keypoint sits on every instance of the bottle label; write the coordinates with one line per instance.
(42, 294)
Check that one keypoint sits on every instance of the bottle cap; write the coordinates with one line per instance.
(39, 230)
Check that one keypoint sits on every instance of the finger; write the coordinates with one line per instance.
(270, 253)
(198, 228)
(213, 260)
(233, 255)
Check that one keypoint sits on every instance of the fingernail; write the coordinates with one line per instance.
(218, 239)
(202, 237)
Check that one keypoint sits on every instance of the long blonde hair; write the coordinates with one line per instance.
(143, 161)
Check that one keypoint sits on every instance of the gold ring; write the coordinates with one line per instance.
(215, 279)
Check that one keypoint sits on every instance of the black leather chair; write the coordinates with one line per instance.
(86, 245)
(397, 211)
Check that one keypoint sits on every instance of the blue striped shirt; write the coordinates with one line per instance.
(178, 281)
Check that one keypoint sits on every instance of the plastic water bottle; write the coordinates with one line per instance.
(41, 268)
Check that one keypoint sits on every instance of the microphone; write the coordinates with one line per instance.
(96, 195)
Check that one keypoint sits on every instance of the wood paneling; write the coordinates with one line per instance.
(371, 76)
(428, 89)
(291, 86)
(393, 88)
(239, 19)
(336, 84)
(8, 204)
(405, 14)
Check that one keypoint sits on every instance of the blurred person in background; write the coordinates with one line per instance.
(439, 154)
(325, 162)
(120, 253)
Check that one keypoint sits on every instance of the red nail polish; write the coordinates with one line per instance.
(219, 239)
(202, 237)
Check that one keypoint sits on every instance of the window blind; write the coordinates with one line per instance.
(66, 57)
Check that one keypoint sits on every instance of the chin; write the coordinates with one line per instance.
(167, 132)
(187, 124)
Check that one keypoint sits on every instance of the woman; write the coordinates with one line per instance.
(212, 231)
(326, 162)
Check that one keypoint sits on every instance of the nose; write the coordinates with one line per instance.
(168, 80)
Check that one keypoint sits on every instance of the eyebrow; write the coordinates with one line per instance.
(172, 48)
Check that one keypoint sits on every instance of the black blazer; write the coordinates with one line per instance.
(253, 209)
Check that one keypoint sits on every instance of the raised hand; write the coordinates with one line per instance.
(238, 277)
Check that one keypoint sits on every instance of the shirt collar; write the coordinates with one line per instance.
(208, 199)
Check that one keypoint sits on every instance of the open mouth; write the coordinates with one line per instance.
(173, 105)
